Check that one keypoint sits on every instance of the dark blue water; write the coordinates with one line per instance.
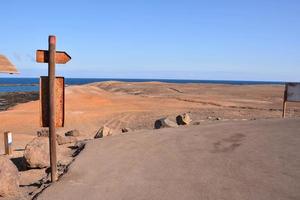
(31, 84)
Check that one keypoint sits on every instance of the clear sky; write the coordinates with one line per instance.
(212, 39)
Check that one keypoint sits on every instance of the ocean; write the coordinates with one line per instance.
(31, 84)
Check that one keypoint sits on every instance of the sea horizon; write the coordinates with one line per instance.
(12, 84)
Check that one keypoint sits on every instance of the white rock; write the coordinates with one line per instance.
(164, 123)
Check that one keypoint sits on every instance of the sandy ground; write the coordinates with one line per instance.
(138, 105)
(229, 160)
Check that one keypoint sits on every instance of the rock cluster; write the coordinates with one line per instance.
(164, 123)
(182, 119)
(106, 131)
(36, 152)
(36, 156)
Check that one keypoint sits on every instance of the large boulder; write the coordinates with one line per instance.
(9, 178)
(164, 123)
(183, 119)
(74, 133)
(36, 153)
(65, 140)
(103, 132)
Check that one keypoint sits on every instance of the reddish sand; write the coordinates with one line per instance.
(137, 105)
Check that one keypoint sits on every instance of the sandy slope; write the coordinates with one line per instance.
(137, 105)
(229, 160)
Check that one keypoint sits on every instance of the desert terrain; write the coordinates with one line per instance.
(136, 106)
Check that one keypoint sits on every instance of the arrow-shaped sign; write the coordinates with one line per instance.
(61, 57)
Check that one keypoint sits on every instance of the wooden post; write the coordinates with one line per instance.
(52, 134)
(48, 107)
(283, 109)
(284, 102)
(8, 142)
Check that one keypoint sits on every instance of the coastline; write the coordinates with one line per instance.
(10, 99)
(137, 104)
(14, 91)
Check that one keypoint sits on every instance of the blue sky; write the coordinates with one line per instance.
(215, 39)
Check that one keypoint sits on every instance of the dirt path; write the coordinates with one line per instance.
(244, 160)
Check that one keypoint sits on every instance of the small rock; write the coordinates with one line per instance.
(196, 123)
(74, 133)
(79, 146)
(9, 178)
(36, 153)
(103, 132)
(183, 119)
(43, 133)
(164, 123)
(125, 130)
(65, 140)
(213, 118)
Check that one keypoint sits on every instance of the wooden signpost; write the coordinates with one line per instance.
(51, 100)
(291, 94)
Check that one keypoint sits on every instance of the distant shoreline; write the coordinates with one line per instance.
(19, 84)
(12, 94)
(90, 80)
(10, 99)
(31, 84)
